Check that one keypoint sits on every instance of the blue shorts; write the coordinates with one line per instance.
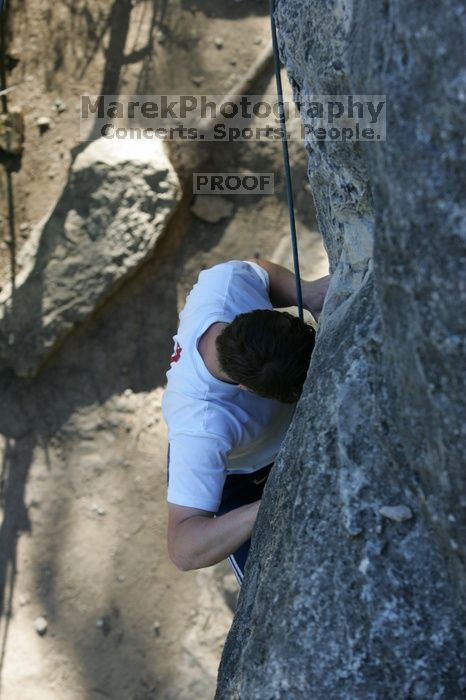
(240, 489)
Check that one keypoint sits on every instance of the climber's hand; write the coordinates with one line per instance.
(314, 293)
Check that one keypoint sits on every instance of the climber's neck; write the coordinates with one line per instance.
(208, 351)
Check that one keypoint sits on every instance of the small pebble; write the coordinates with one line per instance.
(156, 628)
(23, 227)
(397, 513)
(197, 80)
(59, 105)
(43, 122)
(160, 36)
(40, 625)
(218, 42)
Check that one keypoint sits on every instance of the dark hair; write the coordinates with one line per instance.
(268, 352)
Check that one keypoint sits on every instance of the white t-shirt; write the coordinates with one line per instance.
(215, 428)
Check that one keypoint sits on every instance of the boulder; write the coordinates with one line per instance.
(107, 221)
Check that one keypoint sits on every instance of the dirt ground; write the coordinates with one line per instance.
(83, 444)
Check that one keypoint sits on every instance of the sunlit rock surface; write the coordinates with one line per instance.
(116, 204)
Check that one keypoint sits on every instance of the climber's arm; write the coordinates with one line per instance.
(282, 289)
(196, 538)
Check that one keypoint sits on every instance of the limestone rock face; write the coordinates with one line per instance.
(116, 204)
(355, 586)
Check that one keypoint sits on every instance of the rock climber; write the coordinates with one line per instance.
(237, 370)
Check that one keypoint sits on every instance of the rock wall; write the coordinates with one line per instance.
(355, 587)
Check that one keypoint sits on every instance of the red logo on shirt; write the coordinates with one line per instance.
(176, 355)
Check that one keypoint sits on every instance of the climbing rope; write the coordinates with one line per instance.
(286, 161)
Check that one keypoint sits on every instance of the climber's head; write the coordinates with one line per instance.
(267, 352)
